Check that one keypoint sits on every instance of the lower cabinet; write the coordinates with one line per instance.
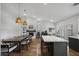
(57, 48)
(60, 49)
(74, 44)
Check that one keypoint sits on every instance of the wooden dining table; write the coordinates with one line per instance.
(16, 40)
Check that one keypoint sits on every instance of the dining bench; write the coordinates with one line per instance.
(7, 48)
(27, 42)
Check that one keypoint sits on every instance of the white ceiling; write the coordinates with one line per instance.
(54, 11)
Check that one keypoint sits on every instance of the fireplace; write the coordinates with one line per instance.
(31, 33)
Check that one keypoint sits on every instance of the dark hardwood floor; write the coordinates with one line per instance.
(73, 53)
(35, 50)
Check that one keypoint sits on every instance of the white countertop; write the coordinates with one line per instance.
(76, 37)
(53, 39)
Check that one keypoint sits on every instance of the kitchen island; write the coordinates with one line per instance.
(56, 46)
(74, 42)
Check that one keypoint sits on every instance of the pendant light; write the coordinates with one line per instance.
(18, 19)
(24, 21)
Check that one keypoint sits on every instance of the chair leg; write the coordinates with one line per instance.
(29, 44)
(26, 47)
(8, 51)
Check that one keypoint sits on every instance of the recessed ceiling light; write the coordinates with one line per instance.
(39, 19)
(34, 16)
(25, 14)
(51, 20)
(45, 3)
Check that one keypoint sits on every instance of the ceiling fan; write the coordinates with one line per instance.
(75, 4)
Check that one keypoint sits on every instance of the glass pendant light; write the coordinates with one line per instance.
(18, 19)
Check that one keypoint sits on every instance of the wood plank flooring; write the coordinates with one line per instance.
(73, 53)
(35, 49)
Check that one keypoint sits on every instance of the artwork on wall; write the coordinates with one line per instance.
(30, 26)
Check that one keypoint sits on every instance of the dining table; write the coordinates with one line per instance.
(16, 40)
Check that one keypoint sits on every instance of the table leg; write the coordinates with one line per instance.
(19, 47)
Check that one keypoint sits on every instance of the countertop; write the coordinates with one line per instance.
(53, 39)
(76, 37)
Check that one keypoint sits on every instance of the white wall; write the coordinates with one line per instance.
(78, 24)
(8, 26)
(45, 25)
(71, 20)
(0, 17)
(0, 28)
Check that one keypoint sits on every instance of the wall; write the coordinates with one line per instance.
(70, 20)
(8, 26)
(78, 25)
(0, 18)
(45, 25)
(0, 28)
